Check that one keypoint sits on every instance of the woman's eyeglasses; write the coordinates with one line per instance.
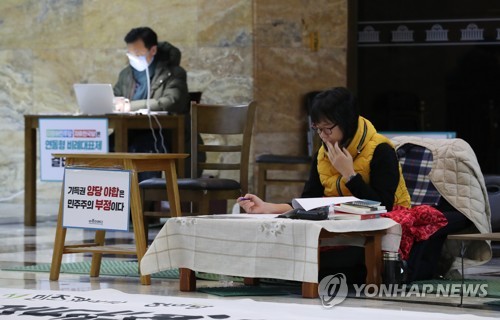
(327, 131)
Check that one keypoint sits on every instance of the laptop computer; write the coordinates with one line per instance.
(94, 98)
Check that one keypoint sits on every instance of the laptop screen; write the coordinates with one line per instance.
(94, 98)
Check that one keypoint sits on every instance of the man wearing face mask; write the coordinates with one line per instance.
(167, 87)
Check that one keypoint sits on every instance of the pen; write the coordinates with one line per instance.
(242, 198)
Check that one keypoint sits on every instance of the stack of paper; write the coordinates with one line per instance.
(313, 203)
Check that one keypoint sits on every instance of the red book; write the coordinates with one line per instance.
(355, 216)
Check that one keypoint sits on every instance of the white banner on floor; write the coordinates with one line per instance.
(110, 304)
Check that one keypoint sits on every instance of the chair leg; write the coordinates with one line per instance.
(146, 227)
(60, 238)
(95, 266)
(261, 183)
(204, 206)
(145, 220)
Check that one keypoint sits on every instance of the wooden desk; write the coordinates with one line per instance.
(121, 123)
(135, 162)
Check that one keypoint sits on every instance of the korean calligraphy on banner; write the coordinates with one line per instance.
(68, 135)
(96, 199)
(111, 304)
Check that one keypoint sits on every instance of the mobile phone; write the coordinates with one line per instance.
(313, 214)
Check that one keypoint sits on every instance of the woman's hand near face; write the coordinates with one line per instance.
(340, 159)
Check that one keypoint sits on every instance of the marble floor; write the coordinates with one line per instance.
(29, 245)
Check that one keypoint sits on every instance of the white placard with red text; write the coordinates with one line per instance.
(96, 199)
(69, 135)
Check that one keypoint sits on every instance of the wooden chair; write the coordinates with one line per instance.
(195, 96)
(285, 167)
(223, 121)
(289, 164)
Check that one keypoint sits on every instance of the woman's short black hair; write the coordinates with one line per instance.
(146, 34)
(339, 106)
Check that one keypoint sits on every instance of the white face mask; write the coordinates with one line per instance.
(139, 63)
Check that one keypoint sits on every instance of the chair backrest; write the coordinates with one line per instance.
(195, 96)
(222, 120)
(416, 164)
(313, 139)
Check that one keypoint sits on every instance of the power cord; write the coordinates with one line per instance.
(148, 106)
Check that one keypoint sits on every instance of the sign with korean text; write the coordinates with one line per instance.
(69, 135)
(112, 304)
(96, 199)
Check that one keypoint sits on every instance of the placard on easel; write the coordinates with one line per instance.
(96, 199)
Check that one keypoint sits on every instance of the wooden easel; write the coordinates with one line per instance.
(135, 162)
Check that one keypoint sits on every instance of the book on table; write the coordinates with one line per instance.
(360, 206)
(345, 207)
(364, 204)
(359, 210)
(344, 214)
(355, 216)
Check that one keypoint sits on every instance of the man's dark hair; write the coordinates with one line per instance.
(146, 34)
(339, 106)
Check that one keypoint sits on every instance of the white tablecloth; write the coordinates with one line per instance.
(252, 247)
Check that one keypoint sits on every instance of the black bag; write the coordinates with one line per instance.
(320, 213)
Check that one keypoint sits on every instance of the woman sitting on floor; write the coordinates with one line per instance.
(353, 160)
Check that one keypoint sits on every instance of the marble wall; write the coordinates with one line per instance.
(233, 50)
(47, 45)
(288, 66)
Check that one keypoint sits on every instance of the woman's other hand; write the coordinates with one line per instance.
(253, 204)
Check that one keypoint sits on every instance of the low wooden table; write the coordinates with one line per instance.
(253, 247)
(373, 263)
(135, 162)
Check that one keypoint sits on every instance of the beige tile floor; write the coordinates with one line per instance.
(29, 245)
